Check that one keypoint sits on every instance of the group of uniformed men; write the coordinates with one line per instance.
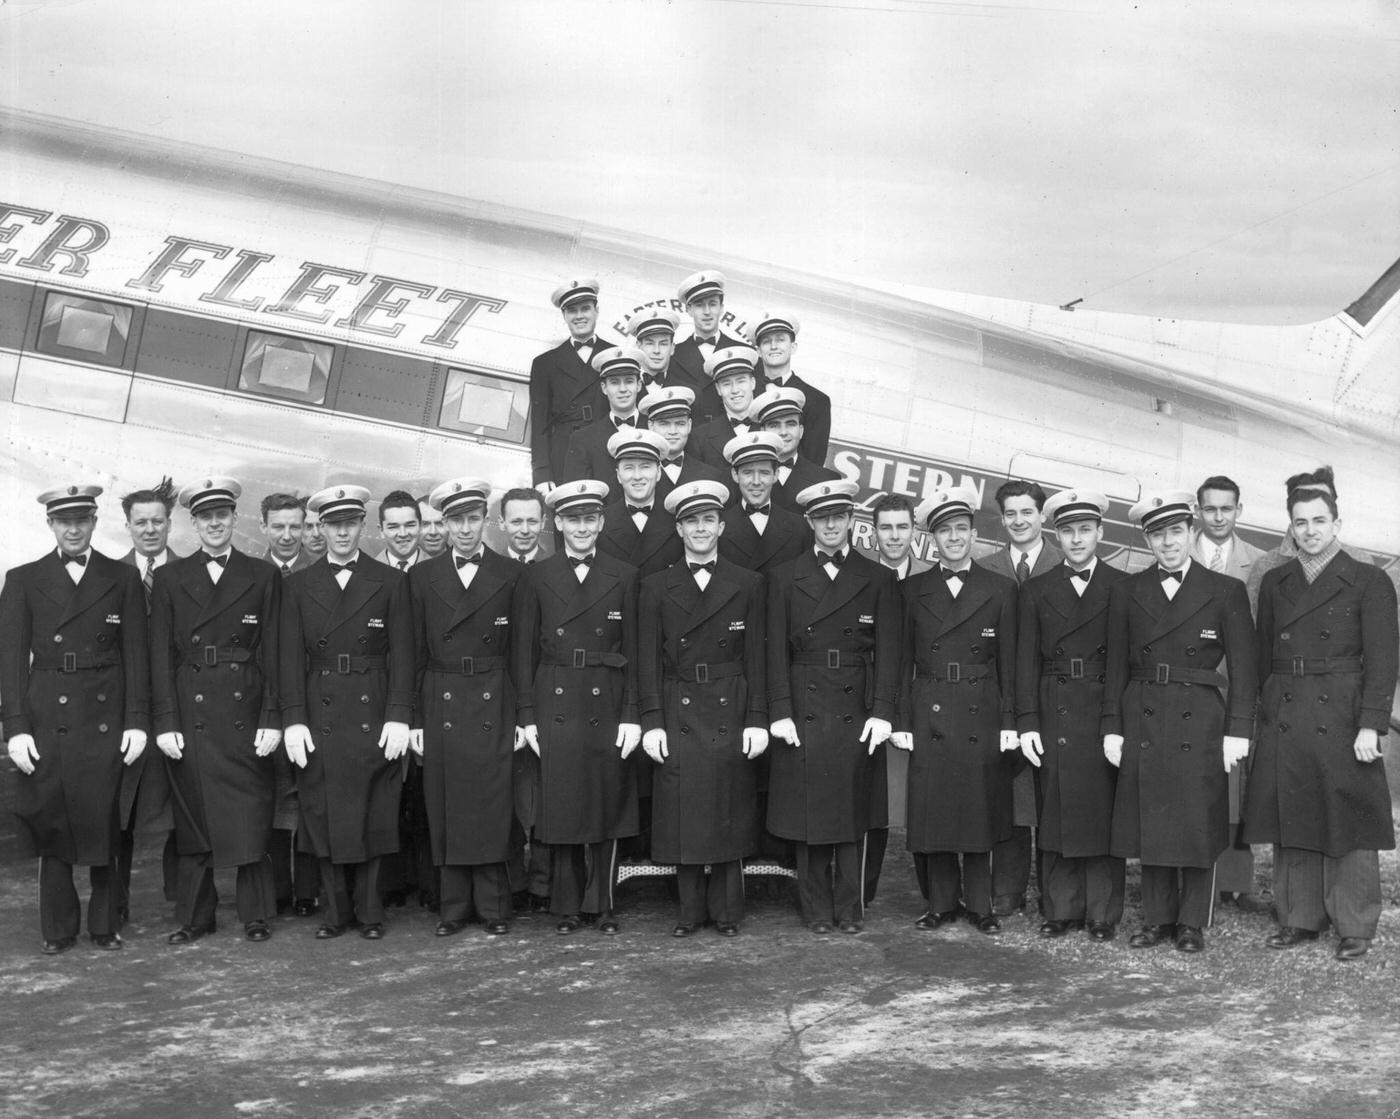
(769, 672)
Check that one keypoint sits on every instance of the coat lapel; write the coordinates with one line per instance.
(850, 581)
(974, 594)
(1191, 597)
(711, 600)
(587, 593)
(93, 586)
(364, 583)
(1303, 597)
(232, 585)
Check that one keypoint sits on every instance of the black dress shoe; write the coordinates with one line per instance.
(1051, 928)
(570, 924)
(330, 932)
(680, 932)
(123, 916)
(608, 925)
(851, 927)
(984, 923)
(108, 942)
(931, 920)
(497, 928)
(186, 934)
(449, 928)
(821, 928)
(727, 928)
(1352, 947)
(1008, 904)
(1189, 939)
(1102, 930)
(55, 947)
(373, 932)
(1149, 936)
(539, 904)
(304, 907)
(257, 930)
(1289, 937)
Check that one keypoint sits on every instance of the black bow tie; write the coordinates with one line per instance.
(752, 510)
(462, 561)
(1084, 574)
(836, 559)
(679, 460)
(737, 423)
(1164, 574)
(222, 561)
(651, 380)
(580, 561)
(710, 567)
(81, 560)
(949, 573)
(337, 568)
(788, 462)
(524, 559)
(644, 510)
(581, 343)
(706, 341)
(624, 421)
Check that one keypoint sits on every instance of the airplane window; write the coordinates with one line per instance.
(480, 405)
(90, 329)
(287, 367)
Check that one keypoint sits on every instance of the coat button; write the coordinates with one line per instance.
(685, 701)
(1322, 698)
(1321, 731)
(1325, 634)
(362, 639)
(364, 728)
(237, 695)
(558, 691)
(811, 687)
(1285, 636)
(199, 726)
(937, 737)
(558, 633)
(1287, 697)
(237, 641)
(101, 697)
(445, 695)
(447, 639)
(1190, 650)
(486, 641)
(1062, 710)
(1060, 680)
(63, 699)
(1060, 742)
(685, 730)
(1147, 650)
(724, 701)
(194, 639)
(591, 722)
(1147, 711)
(723, 730)
(199, 698)
(848, 689)
(845, 718)
(558, 718)
(809, 631)
(102, 728)
(446, 726)
(101, 638)
(1283, 727)
(975, 649)
(326, 672)
(58, 639)
(325, 728)
(485, 695)
(325, 701)
(1059, 650)
(936, 708)
(365, 698)
(596, 691)
(485, 726)
(238, 726)
(1186, 714)
(972, 738)
(599, 631)
(935, 646)
(723, 644)
(972, 710)
(233, 668)
(1145, 745)
(321, 644)
(811, 718)
(1103, 648)
(847, 630)
(1186, 745)
(62, 730)
(685, 642)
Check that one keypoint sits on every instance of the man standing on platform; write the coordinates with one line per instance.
(75, 682)
(400, 527)
(432, 533)
(731, 373)
(284, 525)
(563, 387)
(619, 380)
(636, 529)
(758, 533)
(775, 338)
(779, 411)
(654, 332)
(667, 413)
(217, 721)
(702, 295)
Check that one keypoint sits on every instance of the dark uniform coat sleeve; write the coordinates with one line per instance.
(587, 455)
(1306, 788)
(564, 396)
(69, 803)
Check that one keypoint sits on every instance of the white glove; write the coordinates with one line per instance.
(654, 743)
(266, 741)
(755, 742)
(785, 729)
(877, 731)
(23, 753)
(133, 744)
(1236, 750)
(1367, 746)
(902, 740)
(1031, 747)
(296, 740)
(393, 740)
(629, 737)
(1010, 740)
(171, 744)
(415, 740)
(530, 736)
(1113, 749)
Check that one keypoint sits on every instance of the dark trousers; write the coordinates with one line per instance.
(484, 889)
(169, 866)
(945, 885)
(718, 897)
(1011, 871)
(528, 871)
(1234, 871)
(411, 867)
(1082, 889)
(295, 874)
(366, 906)
(60, 911)
(830, 883)
(1174, 895)
(196, 898)
(1311, 888)
(876, 840)
(582, 877)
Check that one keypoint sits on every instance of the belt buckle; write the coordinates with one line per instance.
(70, 662)
(1164, 674)
(954, 673)
(833, 658)
(1076, 668)
(342, 664)
(1297, 666)
(468, 666)
(702, 673)
(211, 655)
(587, 412)
(580, 658)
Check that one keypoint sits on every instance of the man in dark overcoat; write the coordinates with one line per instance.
(619, 381)
(1170, 627)
(774, 336)
(778, 411)
(347, 661)
(667, 413)
(76, 688)
(759, 533)
(702, 295)
(575, 652)
(636, 527)
(833, 680)
(1061, 642)
(1327, 656)
(217, 720)
(465, 727)
(653, 330)
(704, 712)
(958, 717)
(563, 387)
(731, 373)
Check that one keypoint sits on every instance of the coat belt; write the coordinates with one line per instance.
(74, 662)
(1316, 666)
(210, 655)
(1172, 674)
(344, 664)
(467, 666)
(1075, 668)
(703, 672)
(953, 671)
(836, 659)
(582, 658)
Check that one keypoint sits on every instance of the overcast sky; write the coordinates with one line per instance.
(1234, 161)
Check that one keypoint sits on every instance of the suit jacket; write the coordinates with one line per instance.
(649, 550)
(1000, 561)
(804, 473)
(138, 562)
(707, 441)
(688, 368)
(816, 416)
(466, 705)
(214, 680)
(785, 537)
(587, 791)
(77, 718)
(564, 396)
(300, 562)
(145, 783)
(705, 794)
(1171, 807)
(349, 792)
(588, 451)
(1242, 556)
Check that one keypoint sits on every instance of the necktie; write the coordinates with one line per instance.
(337, 568)
(788, 462)
(738, 424)
(836, 559)
(679, 460)
(524, 559)
(580, 561)
(710, 567)
(624, 421)
(149, 578)
(1217, 559)
(402, 565)
(81, 561)
(286, 569)
(644, 510)
(754, 510)
(462, 561)
(1164, 574)
(1081, 574)
(1023, 569)
(583, 343)
(949, 573)
(705, 341)
(222, 561)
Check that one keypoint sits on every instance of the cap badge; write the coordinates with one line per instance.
(1073, 496)
(339, 493)
(456, 486)
(1156, 501)
(72, 491)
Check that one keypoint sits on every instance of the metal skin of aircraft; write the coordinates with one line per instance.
(169, 309)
